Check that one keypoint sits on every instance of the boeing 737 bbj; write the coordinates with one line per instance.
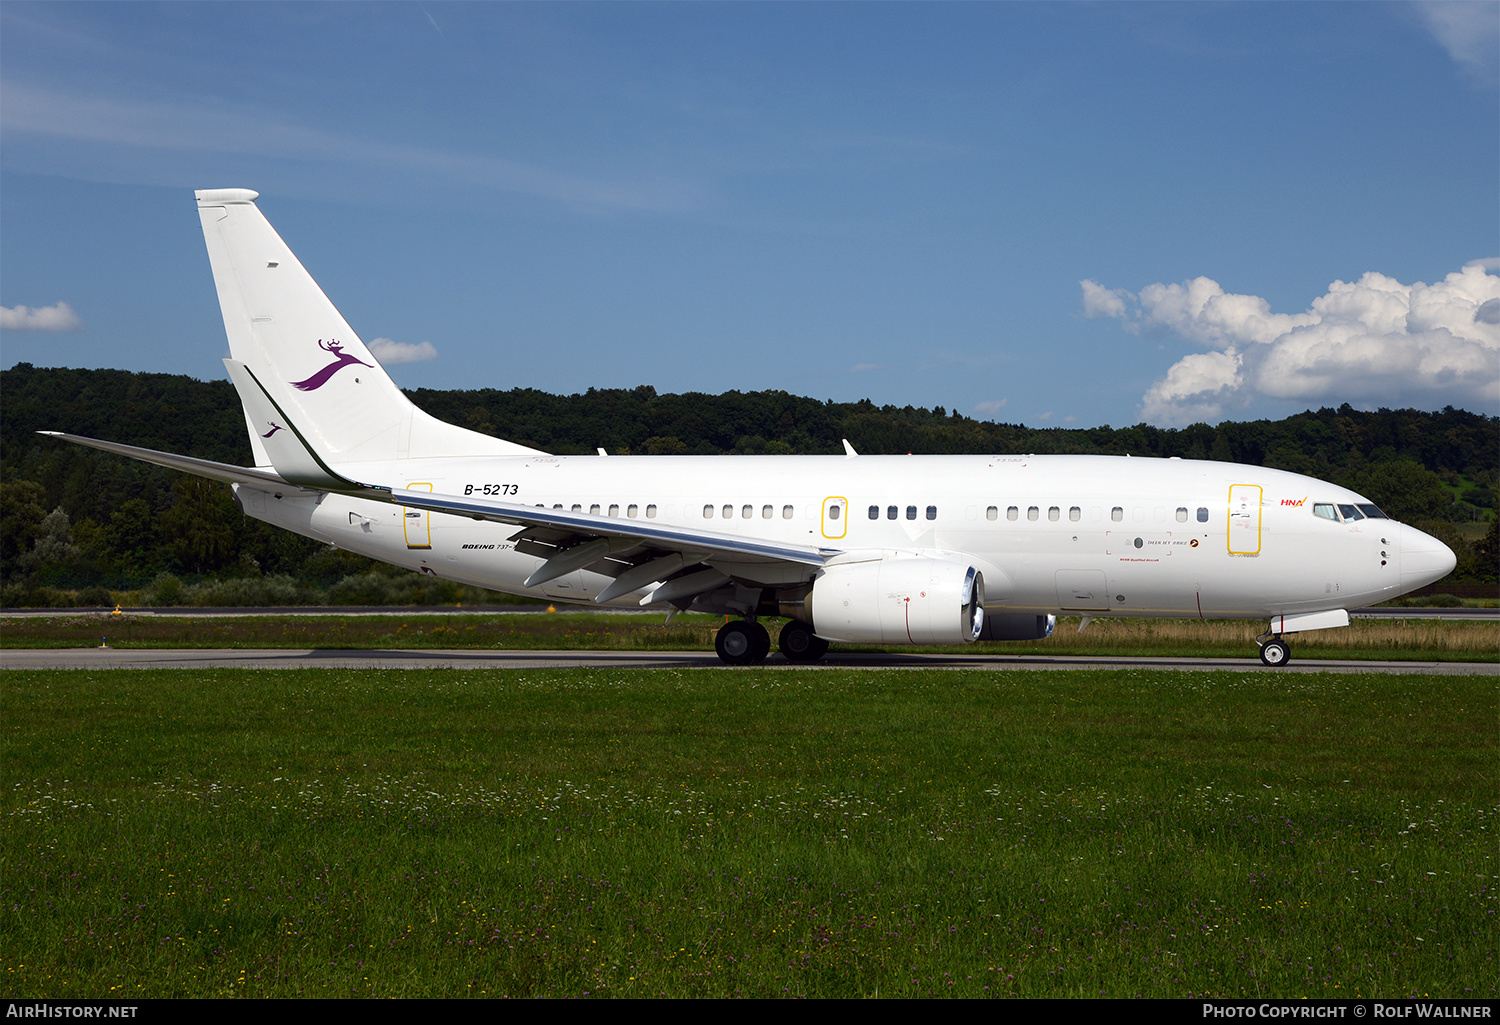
(854, 548)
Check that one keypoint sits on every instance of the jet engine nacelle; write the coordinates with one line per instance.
(918, 600)
(1016, 627)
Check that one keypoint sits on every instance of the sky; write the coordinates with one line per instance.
(1049, 214)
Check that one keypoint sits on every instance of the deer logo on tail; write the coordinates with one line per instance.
(341, 360)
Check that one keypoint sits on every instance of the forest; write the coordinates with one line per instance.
(79, 526)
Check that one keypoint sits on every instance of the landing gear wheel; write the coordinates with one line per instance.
(742, 643)
(799, 644)
(1276, 653)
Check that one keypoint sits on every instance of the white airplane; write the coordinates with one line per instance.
(858, 549)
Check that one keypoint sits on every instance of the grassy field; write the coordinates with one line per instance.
(1362, 639)
(749, 833)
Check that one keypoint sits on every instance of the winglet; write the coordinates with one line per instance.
(849, 452)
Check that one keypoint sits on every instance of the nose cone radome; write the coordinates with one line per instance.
(1424, 559)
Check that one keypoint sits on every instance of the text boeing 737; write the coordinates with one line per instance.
(860, 549)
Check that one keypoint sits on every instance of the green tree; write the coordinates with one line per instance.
(21, 515)
(53, 545)
(201, 525)
(1403, 489)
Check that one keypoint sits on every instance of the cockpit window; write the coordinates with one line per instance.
(1372, 511)
(1350, 513)
(1325, 510)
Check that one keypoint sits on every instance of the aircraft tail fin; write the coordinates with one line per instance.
(286, 331)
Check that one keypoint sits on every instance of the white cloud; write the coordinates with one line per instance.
(1371, 340)
(199, 126)
(991, 407)
(1099, 301)
(390, 353)
(59, 317)
(1469, 30)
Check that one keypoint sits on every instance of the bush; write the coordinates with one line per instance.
(164, 590)
(93, 597)
(243, 592)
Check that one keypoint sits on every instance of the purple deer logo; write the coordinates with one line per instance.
(341, 360)
(274, 428)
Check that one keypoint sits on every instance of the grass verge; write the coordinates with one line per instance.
(750, 833)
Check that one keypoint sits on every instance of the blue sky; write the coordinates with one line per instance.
(1050, 214)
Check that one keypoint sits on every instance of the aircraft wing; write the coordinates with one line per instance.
(202, 467)
(556, 527)
(553, 532)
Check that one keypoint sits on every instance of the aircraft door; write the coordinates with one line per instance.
(835, 518)
(416, 523)
(1244, 519)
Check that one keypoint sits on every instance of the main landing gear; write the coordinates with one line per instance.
(799, 644)
(742, 642)
(1275, 651)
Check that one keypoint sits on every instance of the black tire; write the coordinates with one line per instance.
(1276, 653)
(740, 643)
(762, 642)
(799, 644)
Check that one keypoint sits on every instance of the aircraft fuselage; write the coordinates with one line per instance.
(1085, 534)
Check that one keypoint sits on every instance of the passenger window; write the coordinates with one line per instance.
(833, 512)
(728, 512)
(1033, 513)
(1325, 510)
(1053, 513)
(891, 512)
(631, 510)
(594, 509)
(557, 506)
(932, 512)
(1117, 514)
(786, 512)
(766, 512)
(1011, 512)
(747, 512)
(911, 512)
(992, 513)
(874, 512)
(650, 512)
(577, 508)
(614, 510)
(1075, 514)
(1182, 514)
(708, 512)
(1203, 514)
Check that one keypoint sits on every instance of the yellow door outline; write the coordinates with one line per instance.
(835, 517)
(1243, 536)
(415, 523)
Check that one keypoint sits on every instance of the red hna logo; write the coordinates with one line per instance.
(1294, 501)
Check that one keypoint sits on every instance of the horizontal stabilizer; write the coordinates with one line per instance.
(226, 472)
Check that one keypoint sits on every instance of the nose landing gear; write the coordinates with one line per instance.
(1275, 651)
